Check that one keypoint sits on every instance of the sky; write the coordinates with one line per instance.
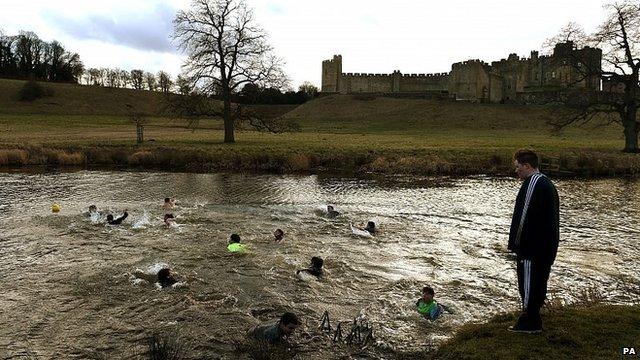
(413, 36)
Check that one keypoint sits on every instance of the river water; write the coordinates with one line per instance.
(68, 289)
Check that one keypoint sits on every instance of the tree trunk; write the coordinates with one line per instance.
(229, 136)
(630, 130)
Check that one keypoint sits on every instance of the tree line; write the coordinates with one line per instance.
(134, 79)
(26, 56)
(163, 82)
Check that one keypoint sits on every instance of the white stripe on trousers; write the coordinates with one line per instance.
(530, 188)
(526, 269)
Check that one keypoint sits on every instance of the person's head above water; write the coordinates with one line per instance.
(371, 225)
(234, 239)
(278, 234)
(93, 208)
(109, 217)
(164, 273)
(330, 208)
(167, 200)
(428, 293)
(288, 323)
(317, 262)
(166, 277)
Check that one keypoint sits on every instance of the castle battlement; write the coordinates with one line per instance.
(366, 75)
(473, 79)
(471, 62)
(425, 75)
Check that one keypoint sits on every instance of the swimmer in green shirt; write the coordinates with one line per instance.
(234, 244)
(427, 306)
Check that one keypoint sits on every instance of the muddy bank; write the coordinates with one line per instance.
(257, 160)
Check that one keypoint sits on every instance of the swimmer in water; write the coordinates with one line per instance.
(275, 333)
(234, 244)
(278, 235)
(93, 211)
(169, 203)
(166, 277)
(427, 306)
(331, 212)
(169, 220)
(370, 228)
(118, 221)
(315, 269)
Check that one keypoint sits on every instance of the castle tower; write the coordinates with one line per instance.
(331, 74)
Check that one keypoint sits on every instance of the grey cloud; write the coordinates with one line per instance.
(141, 30)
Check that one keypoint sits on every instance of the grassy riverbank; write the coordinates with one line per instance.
(572, 332)
(337, 133)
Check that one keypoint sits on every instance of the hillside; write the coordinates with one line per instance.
(74, 99)
(368, 114)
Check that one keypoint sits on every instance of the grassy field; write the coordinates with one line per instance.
(383, 135)
(573, 332)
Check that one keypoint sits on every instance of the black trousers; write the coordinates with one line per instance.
(532, 283)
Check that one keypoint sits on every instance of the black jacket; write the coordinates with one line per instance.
(119, 220)
(536, 238)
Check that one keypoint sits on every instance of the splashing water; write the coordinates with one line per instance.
(60, 272)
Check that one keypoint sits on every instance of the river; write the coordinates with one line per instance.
(68, 289)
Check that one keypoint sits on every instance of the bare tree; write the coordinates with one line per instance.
(310, 91)
(183, 86)
(619, 39)
(125, 78)
(572, 32)
(164, 81)
(150, 81)
(94, 76)
(226, 49)
(137, 79)
(113, 78)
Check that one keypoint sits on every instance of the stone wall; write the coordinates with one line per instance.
(423, 82)
(331, 70)
(474, 80)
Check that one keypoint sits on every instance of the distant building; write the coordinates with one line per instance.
(473, 80)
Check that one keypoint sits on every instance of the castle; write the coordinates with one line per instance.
(510, 79)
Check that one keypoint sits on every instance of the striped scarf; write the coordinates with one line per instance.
(532, 185)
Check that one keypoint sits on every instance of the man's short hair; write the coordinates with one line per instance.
(289, 318)
(167, 200)
(526, 156)
(317, 261)
(164, 273)
(235, 238)
(428, 290)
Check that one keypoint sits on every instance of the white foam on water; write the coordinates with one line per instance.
(305, 276)
(96, 218)
(358, 232)
(143, 222)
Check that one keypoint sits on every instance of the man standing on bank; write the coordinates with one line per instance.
(533, 238)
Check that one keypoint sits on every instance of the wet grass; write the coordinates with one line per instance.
(165, 347)
(261, 350)
(573, 332)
